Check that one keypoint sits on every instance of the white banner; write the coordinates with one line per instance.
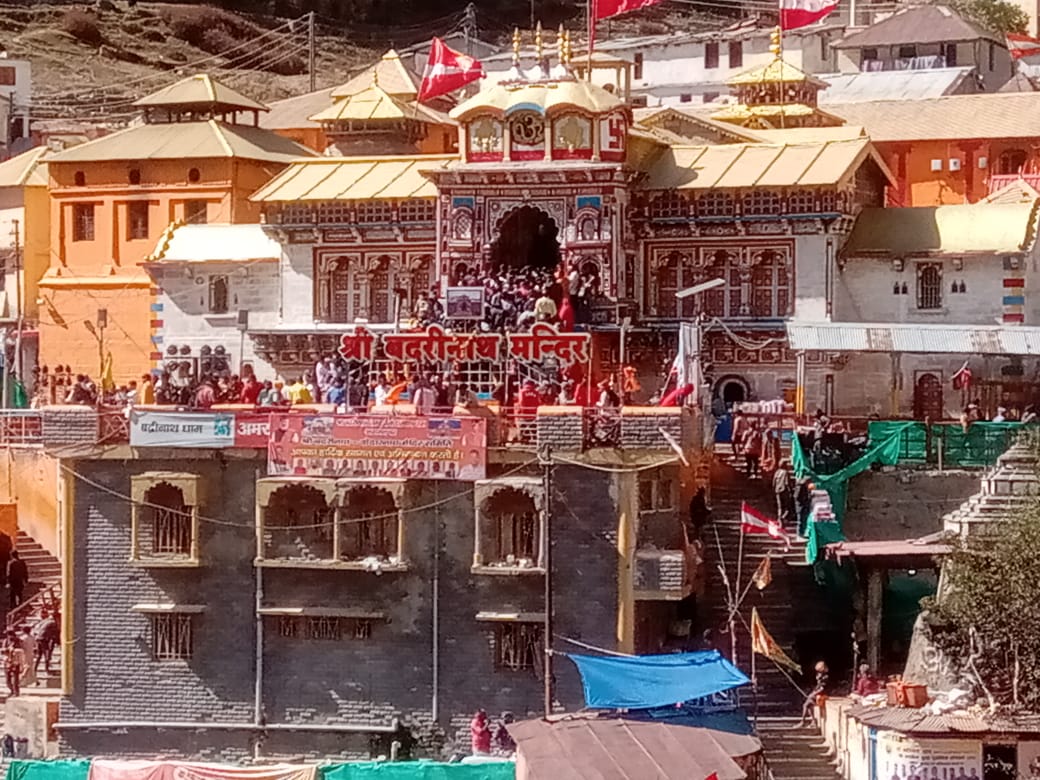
(901, 758)
(181, 429)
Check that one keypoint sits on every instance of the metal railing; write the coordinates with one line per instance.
(48, 598)
(20, 426)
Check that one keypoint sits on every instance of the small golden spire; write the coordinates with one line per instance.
(776, 41)
(539, 49)
(561, 45)
(516, 46)
(568, 48)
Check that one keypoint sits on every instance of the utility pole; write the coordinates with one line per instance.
(16, 233)
(310, 51)
(469, 27)
(547, 559)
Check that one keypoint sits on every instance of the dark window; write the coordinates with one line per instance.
(194, 175)
(637, 66)
(218, 294)
(869, 54)
(137, 220)
(172, 636)
(950, 55)
(195, 212)
(83, 222)
(170, 520)
(711, 55)
(1011, 161)
(8, 76)
(992, 56)
(79, 179)
(518, 646)
(709, 97)
(929, 286)
(134, 176)
(685, 97)
(639, 101)
(736, 54)
(907, 52)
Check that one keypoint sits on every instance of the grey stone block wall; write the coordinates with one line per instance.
(68, 425)
(562, 431)
(643, 430)
(365, 682)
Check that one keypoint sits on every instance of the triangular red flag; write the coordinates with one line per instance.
(712, 776)
(447, 70)
(802, 13)
(607, 8)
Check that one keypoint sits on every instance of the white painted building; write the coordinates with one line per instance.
(683, 68)
(15, 101)
(214, 281)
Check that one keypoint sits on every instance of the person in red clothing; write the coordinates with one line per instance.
(250, 390)
(527, 402)
(480, 734)
(565, 316)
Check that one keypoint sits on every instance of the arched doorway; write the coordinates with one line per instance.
(527, 238)
(928, 397)
(732, 390)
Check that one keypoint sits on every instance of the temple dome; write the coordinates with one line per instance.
(545, 97)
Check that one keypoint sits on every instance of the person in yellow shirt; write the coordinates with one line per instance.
(146, 393)
(299, 393)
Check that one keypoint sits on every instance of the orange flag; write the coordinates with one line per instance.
(763, 644)
(763, 574)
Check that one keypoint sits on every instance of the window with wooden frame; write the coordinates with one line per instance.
(657, 492)
(164, 519)
(196, 212)
(369, 520)
(219, 294)
(417, 210)
(929, 286)
(137, 220)
(519, 647)
(509, 529)
(736, 54)
(173, 636)
(83, 222)
(711, 55)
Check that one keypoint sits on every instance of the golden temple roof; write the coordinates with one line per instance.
(200, 92)
(354, 178)
(739, 112)
(21, 170)
(820, 163)
(374, 104)
(391, 75)
(776, 72)
(545, 97)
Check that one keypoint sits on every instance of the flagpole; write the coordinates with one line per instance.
(734, 604)
(590, 10)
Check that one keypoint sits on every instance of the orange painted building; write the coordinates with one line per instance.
(193, 159)
(951, 150)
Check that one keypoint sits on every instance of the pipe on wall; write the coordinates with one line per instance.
(352, 728)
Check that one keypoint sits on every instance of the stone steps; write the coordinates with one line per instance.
(794, 752)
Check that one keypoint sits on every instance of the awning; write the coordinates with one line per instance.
(1019, 340)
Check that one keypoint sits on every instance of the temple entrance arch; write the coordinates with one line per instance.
(528, 237)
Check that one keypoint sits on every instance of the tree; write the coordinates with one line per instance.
(986, 616)
(998, 16)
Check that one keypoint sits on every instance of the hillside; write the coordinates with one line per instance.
(91, 62)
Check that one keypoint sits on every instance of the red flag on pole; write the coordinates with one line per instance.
(447, 70)
(754, 522)
(607, 8)
(801, 13)
(712, 776)
(1022, 46)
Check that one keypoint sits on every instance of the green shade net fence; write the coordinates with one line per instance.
(48, 770)
(419, 770)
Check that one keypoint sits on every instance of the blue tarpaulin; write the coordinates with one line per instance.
(645, 681)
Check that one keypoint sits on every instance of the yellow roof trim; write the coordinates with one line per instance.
(348, 178)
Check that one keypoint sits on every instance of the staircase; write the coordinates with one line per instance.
(784, 605)
(42, 593)
(793, 752)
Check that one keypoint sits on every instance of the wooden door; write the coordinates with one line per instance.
(928, 397)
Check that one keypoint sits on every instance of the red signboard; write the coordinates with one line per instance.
(377, 445)
(252, 429)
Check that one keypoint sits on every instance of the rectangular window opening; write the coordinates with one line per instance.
(195, 212)
(83, 222)
(137, 220)
(519, 647)
(711, 55)
(172, 638)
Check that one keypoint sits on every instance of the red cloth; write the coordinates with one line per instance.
(608, 8)
(250, 392)
(675, 397)
(528, 401)
(801, 13)
(566, 315)
(480, 735)
(447, 70)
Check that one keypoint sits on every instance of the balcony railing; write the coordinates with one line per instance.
(20, 427)
(999, 181)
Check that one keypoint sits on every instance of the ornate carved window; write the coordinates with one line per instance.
(297, 520)
(370, 212)
(296, 214)
(369, 524)
(668, 281)
(572, 137)
(929, 286)
(670, 205)
(417, 210)
(362, 286)
(828, 202)
(801, 202)
(164, 519)
(485, 139)
(770, 284)
(527, 135)
(715, 204)
(334, 213)
(509, 525)
(762, 203)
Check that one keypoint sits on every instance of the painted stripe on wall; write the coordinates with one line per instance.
(1014, 300)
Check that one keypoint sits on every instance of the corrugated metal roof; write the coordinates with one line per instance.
(186, 140)
(794, 135)
(199, 243)
(352, 178)
(891, 85)
(1023, 340)
(375, 103)
(917, 24)
(292, 113)
(748, 165)
(978, 228)
(924, 721)
(18, 171)
(200, 90)
(953, 118)
(623, 749)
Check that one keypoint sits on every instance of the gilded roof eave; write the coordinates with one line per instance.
(546, 97)
(776, 72)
